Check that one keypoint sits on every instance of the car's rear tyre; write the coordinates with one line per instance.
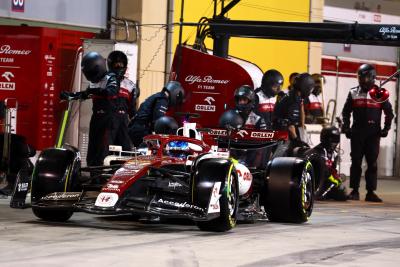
(52, 215)
(290, 193)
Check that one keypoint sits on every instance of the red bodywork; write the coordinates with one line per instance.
(37, 63)
(137, 167)
(210, 82)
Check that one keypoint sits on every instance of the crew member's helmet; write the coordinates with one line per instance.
(245, 92)
(304, 84)
(93, 67)
(272, 82)
(165, 125)
(175, 92)
(330, 137)
(117, 62)
(319, 80)
(231, 119)
(366, 76)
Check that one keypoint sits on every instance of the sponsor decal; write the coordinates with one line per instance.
(209, 100)
(9, 85)
(6, 60)
(7, 50)
(218, 132)
(106, 200)
(214, 205)
(389, 30)
(174, 184)
(62, 196)
(246, 175)
(116, 182)
(265, 135)
(242, 133)
(112, 186)
(7, 75)
(49, 58)
(179, 204)
(207, 108)
(22, 187)
(191, 79)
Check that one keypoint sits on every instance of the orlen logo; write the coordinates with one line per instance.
(8, 84)
(6, 49)
(263, 135)
(242, 133)
(207, 108)
(218, 132)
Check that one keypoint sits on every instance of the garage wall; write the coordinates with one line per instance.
(87, 13)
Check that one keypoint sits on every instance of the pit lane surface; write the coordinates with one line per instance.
(339, 234)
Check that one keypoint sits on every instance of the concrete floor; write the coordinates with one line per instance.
(353, 233)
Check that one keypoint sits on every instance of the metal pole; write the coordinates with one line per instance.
(181, 22)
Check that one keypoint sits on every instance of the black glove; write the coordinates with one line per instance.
(384, 132)
(84, 95)
(347, 131)
(64, 95)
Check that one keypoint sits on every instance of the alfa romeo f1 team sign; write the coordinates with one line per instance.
(18, 5)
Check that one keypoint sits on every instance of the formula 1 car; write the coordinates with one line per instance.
(181, 177)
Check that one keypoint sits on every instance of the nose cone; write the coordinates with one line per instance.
(379, 95)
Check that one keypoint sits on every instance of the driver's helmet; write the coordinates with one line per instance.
(177, 149)
(330, 137)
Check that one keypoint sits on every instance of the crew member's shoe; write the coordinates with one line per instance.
(354, 195)
(372, 197)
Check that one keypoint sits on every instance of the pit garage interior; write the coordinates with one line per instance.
(42, 43)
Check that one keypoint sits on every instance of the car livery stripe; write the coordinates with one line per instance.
(234, 162)
(304, 185)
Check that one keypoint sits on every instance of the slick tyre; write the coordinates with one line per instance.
(290, 193)
(56, 170)
(52, 215)
(210, 172)
(228, 208)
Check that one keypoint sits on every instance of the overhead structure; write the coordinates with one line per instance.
(221, 28)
